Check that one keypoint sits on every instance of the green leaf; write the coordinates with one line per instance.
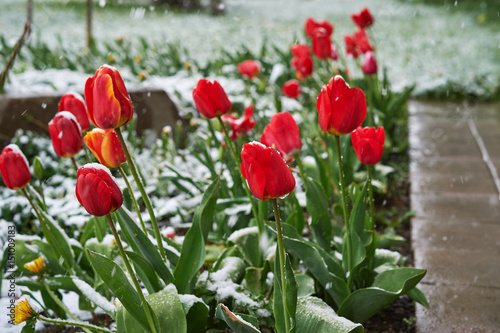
(146, 273)
(116, 280)
(193, 248)
(418, 296)
(387, 287)
(141, 244)
(58, 240)
(28, 328)
(235, 322)
(247, 241)
(317, 206)
(196, 312)
(315, 316)
(305, 285)
(167, 307)
(284, 311)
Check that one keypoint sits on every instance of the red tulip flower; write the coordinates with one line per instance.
(341, 109)
(312, 25)
(303, 66)
(321, 44)
(74, 103)
(241, 126)
(106, 147)
(334, 55)
(14, 167)
(211, 99)
(108, 102)
(266, 172)
(249, 68)
(66, 134)
(351, 48)
(368, 144)
(300, 50)
(369, 67)
(362, 41)
(363, 19)
(291, 89)
(97, 190)
(283, 134)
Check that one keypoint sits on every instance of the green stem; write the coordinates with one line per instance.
(61, 304)
(371, 117)
(131, 192)
(229, 143)
(74, 164)
(372, 208)
(87, 155)
(40, 187)
(215, 142)
(344, 206)
(76, 323)
(132, 274)
(301, 170)
(281, 253)
(145, 196)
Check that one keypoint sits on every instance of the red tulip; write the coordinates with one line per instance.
(321, 44)
(108, 102)
(370, 65)
(266, 172)
(74, 103)
(368, 144)
(14, 167)
(241, 126)
(334, 54)
(97, 190)
(363, 19)
(249, 69)
(341, 109)
(300, 50)
(66, 134)
(283, 134)
(291, 89)
(211, 99)
(106, 147)
(303, 66)
(351, 48)
(312, 25)
(362, 40)
(169, 232)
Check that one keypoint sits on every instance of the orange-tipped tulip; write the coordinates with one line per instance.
(66, 134)
(341, 109)
(14, 167)
(108, 102)
(106, 147)
(97, 190)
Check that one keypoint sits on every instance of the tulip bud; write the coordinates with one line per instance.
(266, 172)
(291, 89)
(38, 168)
(368, 144)
(66, 134)
(74, 103)
(249, 68)
(97, 190)
(169, 232)
(14, 167)
(283, 134)
(321, 44)
(363, 19)
(108, 102)
(106, 147)
(370, 65)
(341, 109)
(211, 99)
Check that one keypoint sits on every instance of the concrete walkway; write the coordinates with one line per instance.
(455, 191)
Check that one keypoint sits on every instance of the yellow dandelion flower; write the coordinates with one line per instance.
(23, 311)
(35, 266)
(111, 58)
(187, 65)
(142, 76)
(113, 242)
(120, 39)
(137, 58)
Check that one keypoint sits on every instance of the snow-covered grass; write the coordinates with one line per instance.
(440, 47)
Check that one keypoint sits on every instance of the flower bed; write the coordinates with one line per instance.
(227, 232)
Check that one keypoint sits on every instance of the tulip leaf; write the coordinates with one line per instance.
(116, 280)
(322, 266)
(141, 244)
(305, 285)
(193, 248)
(146, 273)
(315, 316)
(418, 296)
(234, 321)
(167, 307)
(284, 311)
(196, 312)
(58, 240)
(247, 241)
(387, 287)
(317, 206)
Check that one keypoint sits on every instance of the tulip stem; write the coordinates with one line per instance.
(61, 304)
(370, 79)
(132, 274)
(74, 164)
(86, 326)
(237, 161)
(145, 196)
(215, 142)
(346, 212)
(372, 208)
(281, 253)
(131, 192)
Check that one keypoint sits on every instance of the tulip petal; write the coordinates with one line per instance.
(349, 111)
(107, 108)
(254, 174)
